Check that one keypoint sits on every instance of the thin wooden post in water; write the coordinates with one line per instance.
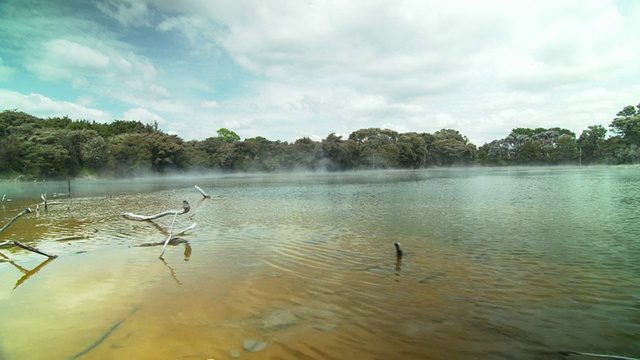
(170, 235)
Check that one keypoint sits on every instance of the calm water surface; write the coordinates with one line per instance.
(499, 264)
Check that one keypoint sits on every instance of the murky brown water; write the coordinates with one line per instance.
(500, 264)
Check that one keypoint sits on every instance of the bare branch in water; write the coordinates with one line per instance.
(185, 209)
(18, 243)
(169, 237)
(25, 211)
(600, 356)
(204, 195)
(182, 232)
(32, 249)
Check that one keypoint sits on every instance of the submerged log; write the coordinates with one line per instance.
(185, 209)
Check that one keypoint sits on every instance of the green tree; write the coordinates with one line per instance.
(590, 143)
(95, 153)
(228, 136)
(129, 154)
(412, 150)
(167, 152)
(449, 147)
(341, 154)
(627, 124)
(378, 147)
(11, 154)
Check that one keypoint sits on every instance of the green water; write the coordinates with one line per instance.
(510, 263)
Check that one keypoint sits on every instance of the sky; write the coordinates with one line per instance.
(285, 70)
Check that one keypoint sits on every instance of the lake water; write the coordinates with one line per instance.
(509, 263)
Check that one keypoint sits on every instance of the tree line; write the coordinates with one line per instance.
(58, 147)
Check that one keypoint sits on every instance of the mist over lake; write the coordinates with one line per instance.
(499, 263)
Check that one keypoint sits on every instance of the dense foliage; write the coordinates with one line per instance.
(35, 148)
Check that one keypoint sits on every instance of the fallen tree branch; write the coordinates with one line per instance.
(25, 211)
(18, 243)
(170, 235)
(182, 232)
(185, 209)
(173, 241)
(204, 195)
(601, 356)
(31, 248)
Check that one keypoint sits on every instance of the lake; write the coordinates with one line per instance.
(499, 263)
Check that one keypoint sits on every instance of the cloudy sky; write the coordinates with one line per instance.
(306, 68)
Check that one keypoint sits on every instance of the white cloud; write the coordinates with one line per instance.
(63, 59)
(210, 104)
(144, 115)
(283, 69)
(42, 106)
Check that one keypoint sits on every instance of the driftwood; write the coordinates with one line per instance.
(27, 247)
(173, 241)
(32, 249)
(18, 243)
(25, 211)
(185, 209)
(170, 235)
(600, 356)
(204, 195)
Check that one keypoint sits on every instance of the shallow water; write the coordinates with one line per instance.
(500, 264)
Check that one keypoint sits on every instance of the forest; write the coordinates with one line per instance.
(33, 148)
